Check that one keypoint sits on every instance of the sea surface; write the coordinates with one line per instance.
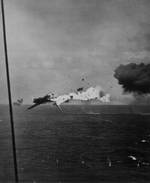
(89, 144)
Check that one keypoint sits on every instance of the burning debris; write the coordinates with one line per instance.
(134, 78)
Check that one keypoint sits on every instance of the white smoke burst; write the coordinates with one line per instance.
(90, 94)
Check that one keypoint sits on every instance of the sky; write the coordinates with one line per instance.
(52, 44)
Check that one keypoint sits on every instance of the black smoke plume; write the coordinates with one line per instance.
(134, 78)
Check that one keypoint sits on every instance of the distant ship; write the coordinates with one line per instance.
(19, 102)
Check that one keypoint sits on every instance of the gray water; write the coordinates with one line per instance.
(83, 144)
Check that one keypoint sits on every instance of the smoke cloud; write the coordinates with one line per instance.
(134, 78)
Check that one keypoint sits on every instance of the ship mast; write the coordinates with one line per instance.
(9, 94)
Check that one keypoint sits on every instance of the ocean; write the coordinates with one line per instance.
(89, 144)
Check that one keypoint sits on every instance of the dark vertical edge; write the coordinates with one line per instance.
(9, 94)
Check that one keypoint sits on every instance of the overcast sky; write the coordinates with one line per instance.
(53, 43)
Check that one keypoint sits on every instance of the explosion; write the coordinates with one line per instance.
(90, 94)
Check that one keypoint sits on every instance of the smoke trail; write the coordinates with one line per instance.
(89, 94)
(134, 78)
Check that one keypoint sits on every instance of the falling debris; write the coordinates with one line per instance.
(134, 78)
(85, 81)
